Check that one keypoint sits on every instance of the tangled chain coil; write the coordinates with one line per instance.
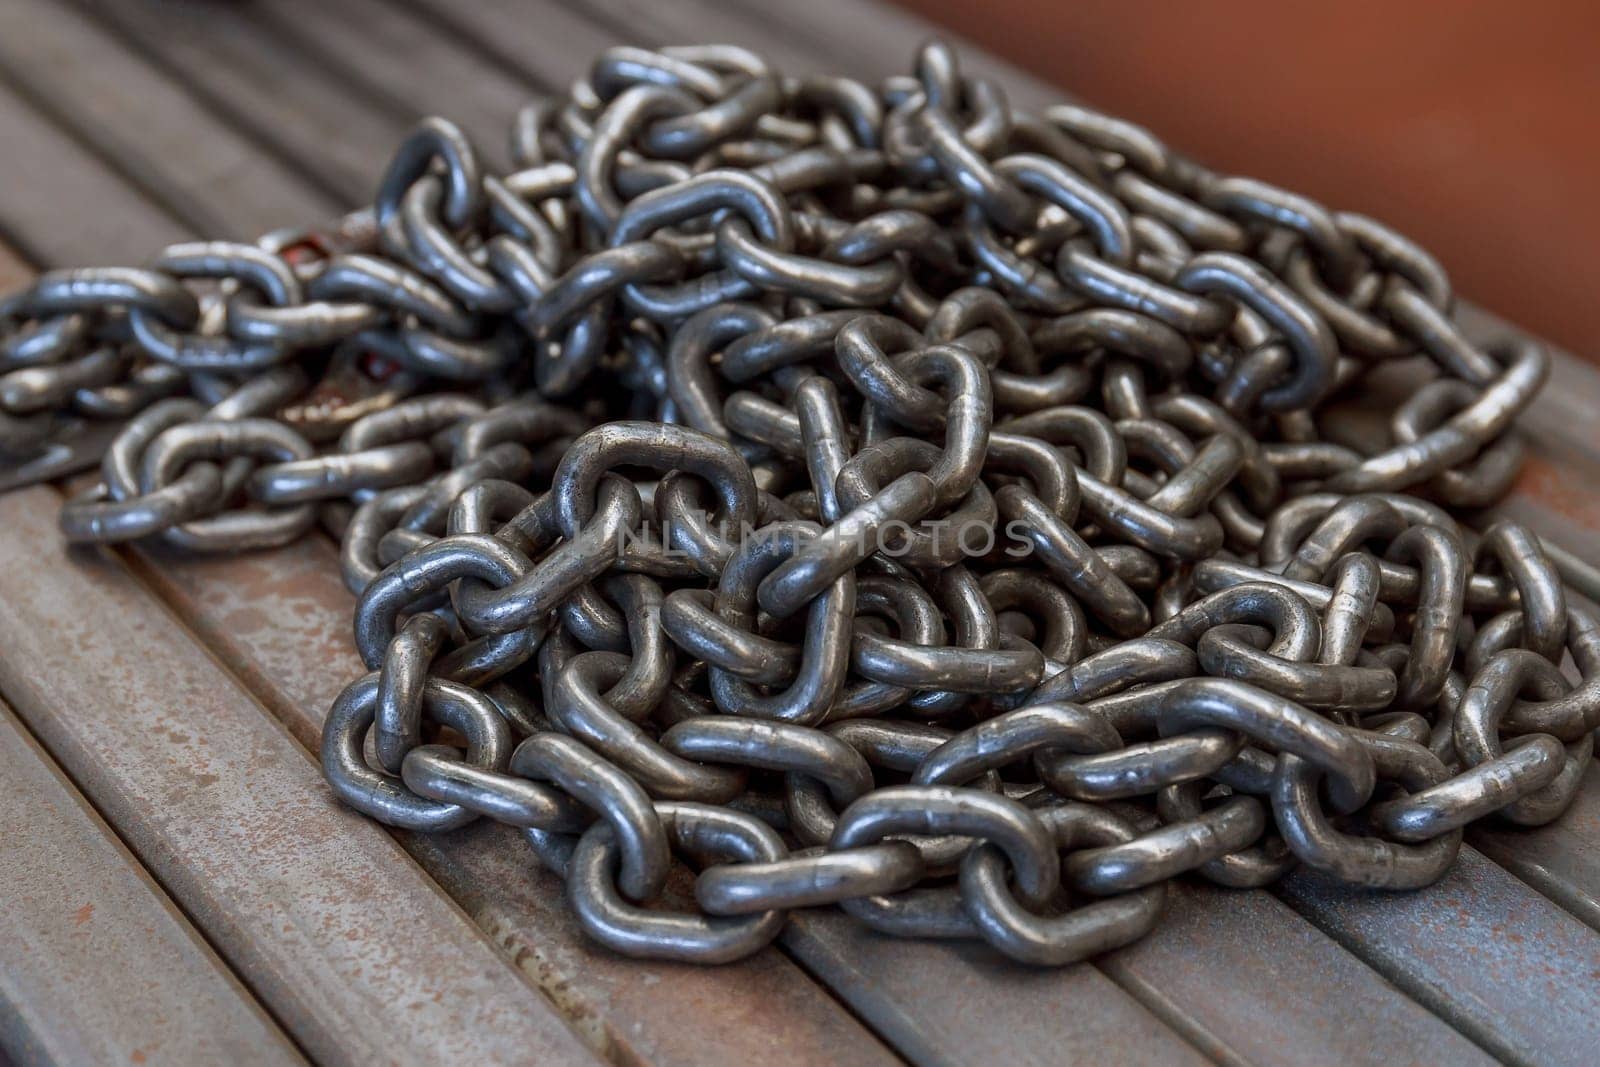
(878, 497)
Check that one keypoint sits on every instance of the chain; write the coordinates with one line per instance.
(879, 497)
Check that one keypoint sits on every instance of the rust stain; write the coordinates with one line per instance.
(593, 1029)
(275, 848)
(83, 915)
(13, 272)
(1560, 489)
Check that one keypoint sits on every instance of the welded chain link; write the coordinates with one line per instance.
(873, 496)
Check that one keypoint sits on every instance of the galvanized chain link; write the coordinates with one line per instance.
(875, 496)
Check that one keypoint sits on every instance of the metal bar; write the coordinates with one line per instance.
(96, 964)
(287, 101)
(281, 621)
(951, 1003)
(38, 156)
(541, 40)
(1561, 860)
(62, 230)
(682, 21)
(400, 56)
(1246, 978)
(873, 40)
(356, 952)
(211, 177)
(1482, 949)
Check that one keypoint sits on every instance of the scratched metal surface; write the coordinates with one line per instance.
(282, 625)
(353, 949)
(135, 124)
(80, 910)
(280, 621)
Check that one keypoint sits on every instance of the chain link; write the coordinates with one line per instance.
(874, 496)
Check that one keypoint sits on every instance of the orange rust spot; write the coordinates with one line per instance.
(138, 1056)
(83, 914)
(1560, 489)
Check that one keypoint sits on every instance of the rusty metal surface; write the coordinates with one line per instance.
(680, 20)
(763, 1008)
(1481, 948)
(1561, 860)
(215, 179)
(359, 956)
(294, 104)
(1557, 432)
(1238, 972)
(363, 37)
(546, 40)
(236, 607)
(955, 1004)
(96, 964)
(1169, 974)
(39, 156)
(932, 1003)
(281, 621)
(300, 692)
(1482, 974)
(661, 1014)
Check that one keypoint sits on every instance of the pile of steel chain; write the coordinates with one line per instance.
(879, 497)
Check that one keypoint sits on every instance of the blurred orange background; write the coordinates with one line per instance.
(1471, 126)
